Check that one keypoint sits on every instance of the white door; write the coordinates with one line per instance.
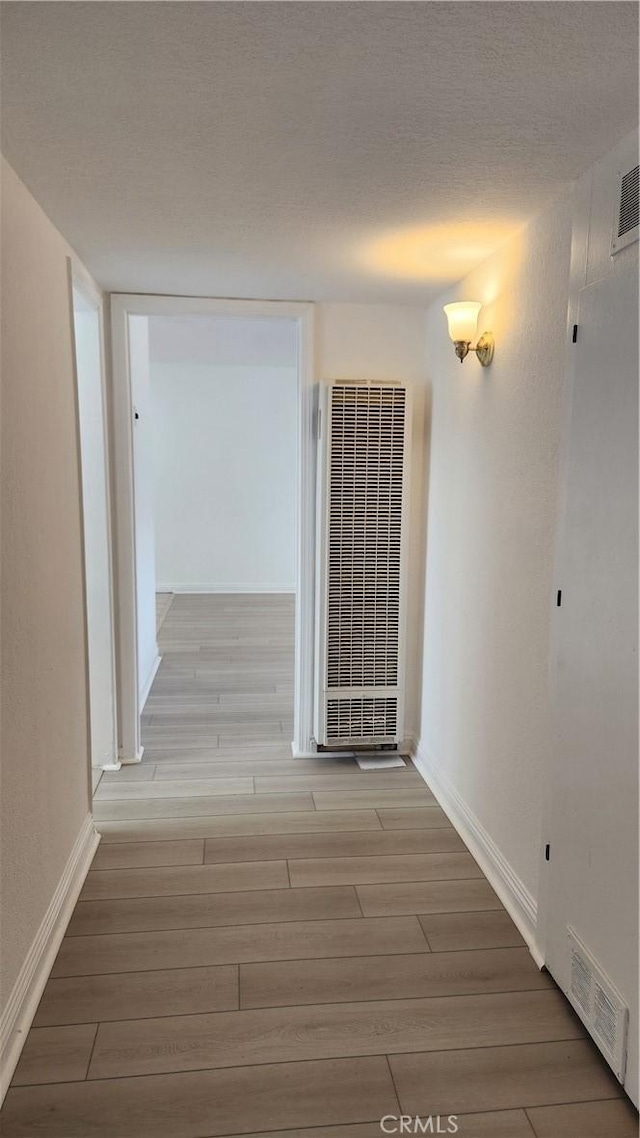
(88, 349)
(592, 872)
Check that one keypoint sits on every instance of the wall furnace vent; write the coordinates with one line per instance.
(362, 493)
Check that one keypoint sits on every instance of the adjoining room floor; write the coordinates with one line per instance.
(275, 947)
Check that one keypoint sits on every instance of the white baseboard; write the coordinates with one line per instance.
(204, 588)
(144, 694)
(29, 986)
(516, 898)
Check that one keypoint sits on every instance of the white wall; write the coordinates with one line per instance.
(369, 341)
(143, 457)
(497, 441)
(492, 513)
(591, 816)
(88, 352)
(45, 743)
(224, 476)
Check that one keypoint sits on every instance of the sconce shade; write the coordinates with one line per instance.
(462, 318)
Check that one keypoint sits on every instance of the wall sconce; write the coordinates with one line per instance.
(462, 318)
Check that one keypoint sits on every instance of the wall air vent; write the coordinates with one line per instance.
(625, 228)
(361, 562)
(599, 1004)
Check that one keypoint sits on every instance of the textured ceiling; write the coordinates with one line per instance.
(354, 151)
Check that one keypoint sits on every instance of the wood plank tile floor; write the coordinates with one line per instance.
(271, 947)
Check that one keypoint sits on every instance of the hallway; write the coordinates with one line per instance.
(264, 944)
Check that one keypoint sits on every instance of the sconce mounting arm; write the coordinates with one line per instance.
(484, 349)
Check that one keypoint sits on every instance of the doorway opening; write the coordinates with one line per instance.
(214, 452)
(215, 441)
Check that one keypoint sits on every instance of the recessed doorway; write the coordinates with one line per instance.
(215, 441)
(215, 501)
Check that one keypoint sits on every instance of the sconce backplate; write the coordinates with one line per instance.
(485, 348)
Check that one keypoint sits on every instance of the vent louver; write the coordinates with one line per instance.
(357, 719)
(626, 214)
(365, 528)
(605, 1016)
(362, 503)
(598, 1004)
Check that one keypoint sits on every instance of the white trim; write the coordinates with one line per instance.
(125, 305)
(137, 758)
(83, 560)
(29, 986)
(87, 286)
(305, 534)
(82, 283)
(189, 589)
(79, 281)
(144, 695)
(125, 575)
(516, 898)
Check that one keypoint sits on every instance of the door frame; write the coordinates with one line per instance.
(124, 305)
(79, 281)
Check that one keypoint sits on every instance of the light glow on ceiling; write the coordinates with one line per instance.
(436, 253)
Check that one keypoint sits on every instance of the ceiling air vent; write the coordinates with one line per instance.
(599, 1004)
(626, 214)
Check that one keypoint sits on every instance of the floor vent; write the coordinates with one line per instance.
(599, 1005)
(625, 229)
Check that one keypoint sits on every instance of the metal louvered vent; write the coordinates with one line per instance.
(366, 462)
(626, 214)
(362, 719)
(362, 503)
(598, 1003)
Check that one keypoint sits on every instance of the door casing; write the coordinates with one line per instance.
(122, 307)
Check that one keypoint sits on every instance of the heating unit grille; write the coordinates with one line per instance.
(362, 508)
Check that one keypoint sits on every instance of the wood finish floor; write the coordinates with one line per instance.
(274, 947)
